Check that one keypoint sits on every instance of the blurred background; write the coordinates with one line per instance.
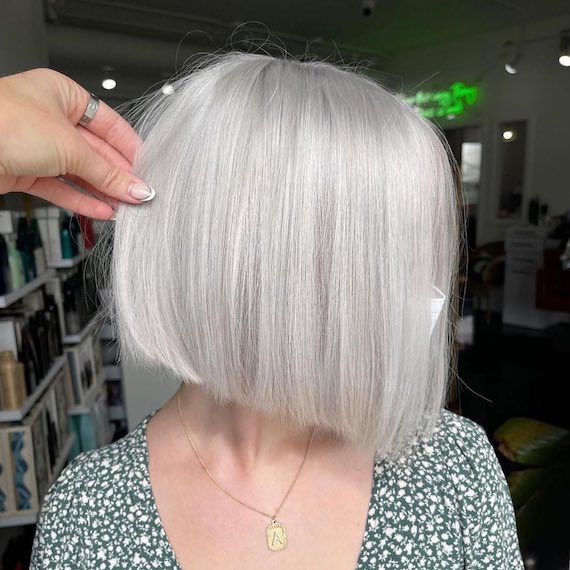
(493, 74)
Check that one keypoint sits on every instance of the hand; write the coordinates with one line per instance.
(40, 140)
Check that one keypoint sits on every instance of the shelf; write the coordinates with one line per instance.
(30, 518)
(19, 413)
(65, 263)
(13, 296)
(90, 397)
(77, 338)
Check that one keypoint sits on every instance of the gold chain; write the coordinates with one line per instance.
(272, 517)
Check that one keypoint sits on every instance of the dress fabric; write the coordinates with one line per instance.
(445, 505)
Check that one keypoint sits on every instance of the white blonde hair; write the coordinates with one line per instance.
(302, 215)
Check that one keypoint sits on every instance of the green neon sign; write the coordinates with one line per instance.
(452, 101)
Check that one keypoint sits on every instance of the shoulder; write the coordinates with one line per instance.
(451, 485)
(456, 445)
(456, 441)
(87, 493)
(457, 459)
(453, 431)
(98, 468)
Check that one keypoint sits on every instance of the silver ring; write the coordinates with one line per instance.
(91, 109)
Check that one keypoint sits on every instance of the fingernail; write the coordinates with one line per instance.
(141, 191)
(113, 217)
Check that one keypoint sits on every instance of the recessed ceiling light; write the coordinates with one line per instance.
(509, 135)
(108, 83)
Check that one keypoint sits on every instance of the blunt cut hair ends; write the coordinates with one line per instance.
(303, 214)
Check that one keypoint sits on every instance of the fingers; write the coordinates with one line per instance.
(81, 184)
(104, 149)
(105, 176)
(61, 194)
(107, 124)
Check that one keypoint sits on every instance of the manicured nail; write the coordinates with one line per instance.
(113, 217)
(142, 191)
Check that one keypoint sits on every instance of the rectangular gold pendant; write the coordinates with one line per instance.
(276, 536)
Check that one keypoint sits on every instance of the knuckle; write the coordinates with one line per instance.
(111, 180)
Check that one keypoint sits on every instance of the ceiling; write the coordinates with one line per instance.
(142, 43)
(393, 26)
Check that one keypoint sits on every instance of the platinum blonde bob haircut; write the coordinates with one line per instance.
(303, 215)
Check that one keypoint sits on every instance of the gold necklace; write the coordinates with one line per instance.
(275, 532)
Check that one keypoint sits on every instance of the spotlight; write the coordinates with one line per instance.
(509, 135)
(564, 57)
(512, 59)
(167, 89)
(108, 83)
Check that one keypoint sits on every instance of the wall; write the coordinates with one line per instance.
(22, 36)
(539, 92)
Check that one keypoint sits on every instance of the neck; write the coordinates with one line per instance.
(229, 430)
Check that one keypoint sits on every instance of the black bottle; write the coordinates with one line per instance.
(75, 230)
(70, 309)
(29, 358)
(25, 247)
(4, 267)
(38, 334)
(49, 342)
(51, 306)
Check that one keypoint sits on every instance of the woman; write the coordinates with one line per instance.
(304, 218)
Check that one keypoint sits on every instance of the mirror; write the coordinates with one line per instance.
(511, 157)
(466, 145)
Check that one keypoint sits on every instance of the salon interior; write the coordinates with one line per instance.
(494, 75)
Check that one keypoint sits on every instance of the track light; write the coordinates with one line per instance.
(512, 59)
(564, 57)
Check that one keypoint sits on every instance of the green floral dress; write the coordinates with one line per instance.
(444, 506)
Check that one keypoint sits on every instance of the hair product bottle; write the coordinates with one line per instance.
(12, 382)
(24, 246)
(67, 251)
(51, 307)
(37, 247)
(28, 356)
(5, 281)
(17, 276)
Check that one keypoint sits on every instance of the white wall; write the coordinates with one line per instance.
(539, 92)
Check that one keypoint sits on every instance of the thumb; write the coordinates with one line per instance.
(107, 177)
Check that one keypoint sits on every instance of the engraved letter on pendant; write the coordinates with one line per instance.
(276, 536)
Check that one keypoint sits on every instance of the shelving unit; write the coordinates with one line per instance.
(89, 398)
(106, 419)
(19, 413)
(13, 296)
(77, 338)
(114, 372)
(30, 518)
(65, 263)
